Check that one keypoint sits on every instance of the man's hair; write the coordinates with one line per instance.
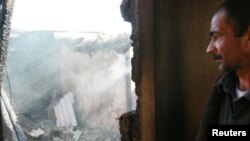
(238, 14)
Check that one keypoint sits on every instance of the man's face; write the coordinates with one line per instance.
(224, 46)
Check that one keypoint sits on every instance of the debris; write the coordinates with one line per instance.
(77, 134)
(57, 139)
(37, 133)
(26, 123)
(65, 115)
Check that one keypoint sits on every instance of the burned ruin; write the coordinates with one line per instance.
(46, 100)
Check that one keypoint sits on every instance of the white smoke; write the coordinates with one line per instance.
(98, 82)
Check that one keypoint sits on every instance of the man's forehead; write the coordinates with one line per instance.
(220, 22)
(219, 17)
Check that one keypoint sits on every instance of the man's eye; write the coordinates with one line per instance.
(215, 37)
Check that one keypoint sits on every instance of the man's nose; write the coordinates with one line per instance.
(211, 48)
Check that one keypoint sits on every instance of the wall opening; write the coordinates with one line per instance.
(68, 73)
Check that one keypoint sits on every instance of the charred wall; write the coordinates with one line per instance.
(6, 8)
(142, 126)
(130, 125)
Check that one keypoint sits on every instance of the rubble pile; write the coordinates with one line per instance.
(46, 130)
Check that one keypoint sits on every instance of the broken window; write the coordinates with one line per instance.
(67, 74)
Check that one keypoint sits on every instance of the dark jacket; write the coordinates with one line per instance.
(224, 92)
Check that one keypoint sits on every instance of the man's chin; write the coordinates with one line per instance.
(225, 68)
(221, 67)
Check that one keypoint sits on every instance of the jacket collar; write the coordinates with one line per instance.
(228, 81)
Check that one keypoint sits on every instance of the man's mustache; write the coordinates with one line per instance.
(217, 56)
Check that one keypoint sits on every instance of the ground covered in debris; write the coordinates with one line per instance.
(46, 130)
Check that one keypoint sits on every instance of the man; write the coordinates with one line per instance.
(230, 48)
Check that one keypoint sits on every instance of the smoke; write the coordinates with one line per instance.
(43, 68)
(98, 81)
